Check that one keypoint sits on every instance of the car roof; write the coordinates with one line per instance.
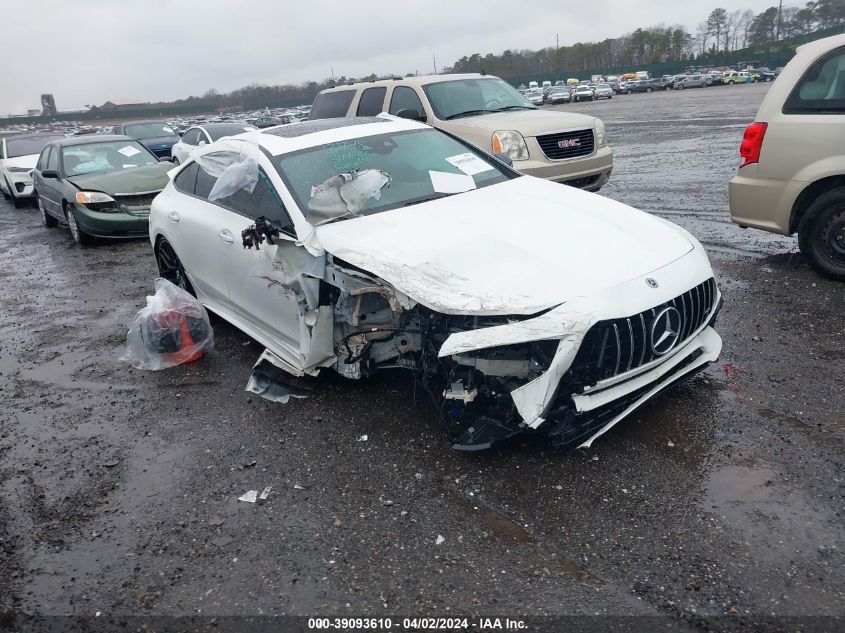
(36, 135)
(154, 121)
(409, 81)
(282, 139)
(93, 138)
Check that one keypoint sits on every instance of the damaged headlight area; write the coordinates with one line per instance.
(97, 201)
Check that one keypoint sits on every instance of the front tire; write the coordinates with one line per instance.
(48, 220)
(170, 266)
(628, 92)
(680, 86)
(821, 234)
(648, 89)
(79, 236)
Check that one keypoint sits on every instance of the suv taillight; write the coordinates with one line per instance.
(752, 142)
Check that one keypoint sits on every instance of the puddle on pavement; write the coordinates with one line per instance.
(503, 529)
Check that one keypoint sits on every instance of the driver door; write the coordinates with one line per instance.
(264, 282)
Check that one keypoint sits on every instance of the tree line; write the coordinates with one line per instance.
(721, 31)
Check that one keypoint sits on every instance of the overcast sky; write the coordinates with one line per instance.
(129, 51)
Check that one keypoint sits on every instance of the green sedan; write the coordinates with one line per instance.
(100, 186)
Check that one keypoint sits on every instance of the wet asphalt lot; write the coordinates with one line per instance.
(118, 488)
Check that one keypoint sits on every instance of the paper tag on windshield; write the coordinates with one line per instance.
(469, 163)
(129, 151)
(444, 182)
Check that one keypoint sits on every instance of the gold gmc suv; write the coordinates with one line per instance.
(565, 147)
(792, 175)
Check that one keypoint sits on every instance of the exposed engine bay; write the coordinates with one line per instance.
(487, 383)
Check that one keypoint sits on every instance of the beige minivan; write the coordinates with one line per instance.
(792, 175)
(565, 147)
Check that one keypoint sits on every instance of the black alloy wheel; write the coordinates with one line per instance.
(170, 266)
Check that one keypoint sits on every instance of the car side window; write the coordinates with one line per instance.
(263, 201)
(822, 88)
(191, 137)
(372, 101)
(53, 158)
(405, 98)
(42, 160)
(204, 184)
(186, 179)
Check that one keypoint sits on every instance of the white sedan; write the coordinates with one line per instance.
(201, 135)
(367, 244)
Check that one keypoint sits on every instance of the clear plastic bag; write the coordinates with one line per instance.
(235, 165)
(172, 329)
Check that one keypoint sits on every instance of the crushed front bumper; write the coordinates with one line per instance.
(575, 410)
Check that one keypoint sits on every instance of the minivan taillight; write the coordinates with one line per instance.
(752, 142)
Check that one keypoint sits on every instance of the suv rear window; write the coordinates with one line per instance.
(821, 89)
(330, 105)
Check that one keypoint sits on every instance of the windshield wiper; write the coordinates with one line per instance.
(515, 107)
(467, 113)
(434, 196)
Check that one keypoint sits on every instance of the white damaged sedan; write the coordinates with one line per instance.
(380, 243)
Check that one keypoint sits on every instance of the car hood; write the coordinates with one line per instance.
(130, 180)
(519, 247)
(527, 122)
(158, 141)
(25, 162)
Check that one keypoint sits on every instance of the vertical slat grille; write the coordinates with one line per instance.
(620, 345)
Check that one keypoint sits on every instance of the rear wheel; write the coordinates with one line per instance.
(680, 86)
(79, 236)
(170, 266)
(648, 89)
(628, 91)
(821, 234)
(48, 220)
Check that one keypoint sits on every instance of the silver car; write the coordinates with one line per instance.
(690, 81)
(604, 91)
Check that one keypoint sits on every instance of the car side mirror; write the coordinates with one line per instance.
(50, 173)
(505, 158)
(411, 113)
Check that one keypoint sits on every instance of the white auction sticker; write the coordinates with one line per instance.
(129, 151)
(469, 163)
(444, 182)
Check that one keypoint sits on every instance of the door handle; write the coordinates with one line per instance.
(173, 216)
(226, 236)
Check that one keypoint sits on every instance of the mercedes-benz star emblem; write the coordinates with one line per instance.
(665, 331)
(651, 283)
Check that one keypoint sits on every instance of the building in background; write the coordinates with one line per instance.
(48, 105)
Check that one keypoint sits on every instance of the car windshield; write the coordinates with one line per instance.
(104, 157)
(148, 130)
(219, 131)
(378, 173)
(466, 97)
(27, 146)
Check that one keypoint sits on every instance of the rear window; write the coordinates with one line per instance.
(329, 105)
(821, 89)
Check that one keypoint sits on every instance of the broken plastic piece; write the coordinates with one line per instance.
(265, 493)
(249, 496)
(457, 391)
(173, 328)
(273, 383)
(439, 540)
